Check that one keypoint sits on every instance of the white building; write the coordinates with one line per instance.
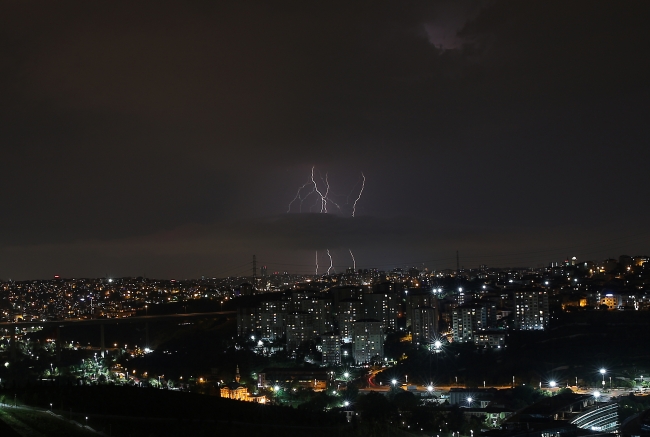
(531, 310)
(367, 340)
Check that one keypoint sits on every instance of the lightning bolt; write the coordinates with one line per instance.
(323, 202)
(330, 267)
(327, 190)
(298, 197)
(363, 184)
(354, 262)
(316, 263)
(324, 196)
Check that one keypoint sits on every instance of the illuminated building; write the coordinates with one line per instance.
(236, 391)
(424, 325)
(467, 321)
(531, 310)
(300, 328)
(331, 349)
(367, 340)
(422, 316)
(349, 311)
(383, 307)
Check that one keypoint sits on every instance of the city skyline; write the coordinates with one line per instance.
(170, 140)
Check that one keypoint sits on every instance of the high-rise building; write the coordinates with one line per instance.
(531, 310)
(349, 311)
(321, 310)
(422, 316)
(467, 321)
(271, 319)
(331, 348)
(383, 307)
(299, 329)
(368, 341)
(424, 326)
(246, 321)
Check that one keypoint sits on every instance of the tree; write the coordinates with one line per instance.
(351, 392)
(375, 407)
(405, 401)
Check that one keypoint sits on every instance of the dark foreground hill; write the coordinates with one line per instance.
(130, 411)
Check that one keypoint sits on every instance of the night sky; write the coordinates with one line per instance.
(168, 139)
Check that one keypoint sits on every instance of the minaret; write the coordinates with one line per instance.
(237, 375)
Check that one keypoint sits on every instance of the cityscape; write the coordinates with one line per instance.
(329, 218)
(333, 343)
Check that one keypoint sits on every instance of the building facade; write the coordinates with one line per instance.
(368, 341)
(531, 310)
(468, 321)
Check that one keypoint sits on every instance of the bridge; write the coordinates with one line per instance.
(58, 324)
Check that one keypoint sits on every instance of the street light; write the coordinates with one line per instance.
(596, 394)
(394, 381)
(602, 372)
(50, 406)
(469, 401)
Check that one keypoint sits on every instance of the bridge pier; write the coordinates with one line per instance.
(102, 344)
(12, 345)
(59, 344)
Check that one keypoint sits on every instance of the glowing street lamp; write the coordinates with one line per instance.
(602, 372)
(469, 401)
(394, 382)
(552, 384)
(596, 394)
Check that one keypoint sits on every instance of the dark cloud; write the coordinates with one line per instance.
(121, 122)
